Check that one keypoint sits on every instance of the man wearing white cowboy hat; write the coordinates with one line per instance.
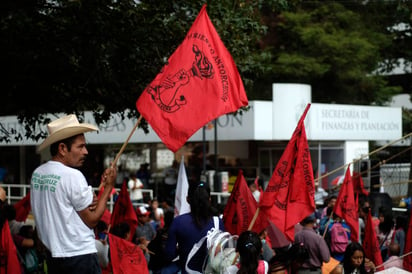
(64, 206)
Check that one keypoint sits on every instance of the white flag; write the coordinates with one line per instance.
(181, 204)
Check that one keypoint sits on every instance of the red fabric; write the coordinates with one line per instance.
(199, 83)
(9, 248)
(106, 215)
(407, 260)
(289, 196)
(240, 207)
(371, 244)
(126, 257)
(123, 211)
(346, 207)
(358, 186)
(23, 208)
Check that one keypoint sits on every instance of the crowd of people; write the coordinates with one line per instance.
(70, 236)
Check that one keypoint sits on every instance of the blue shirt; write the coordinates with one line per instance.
(183, 234)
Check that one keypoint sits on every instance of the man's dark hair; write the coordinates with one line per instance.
(54, 148)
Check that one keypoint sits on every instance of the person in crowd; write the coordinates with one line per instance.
(11, 217)
(158, 263)
(3, 195)
(145, 232)
(157, 214)
(394, 259)
(187, 229)
(325, 221)
(135, 189)
(64, 206)
(249, 247)
(399, 237)
(255, 191)
(355, 262)
(101, 242)
(143, 174)
(170, 179)
(331, 238)
(122, 176)
(386, 230)
(267, 251)
(330, 202)
(167, 204)
(318, 250)
(363, 214)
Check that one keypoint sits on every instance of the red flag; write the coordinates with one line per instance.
(371, 243)
(23, 208)
(290, 194)
(106, 215)
(199, 83)
(358, 186)
(126, 257)
(240, 207)
(7, 245)
(346, 207)
(123, 211)
(407, 260)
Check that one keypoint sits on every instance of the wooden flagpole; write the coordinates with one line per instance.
(126, 142)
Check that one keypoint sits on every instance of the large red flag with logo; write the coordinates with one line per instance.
(240, 207)
(371, 243)
(23, 208)
(358, 186)
(123, 211)
(290, 194)
(346, 206)
(407, 260)
(199, 83)
(126, 257)
(11, 260)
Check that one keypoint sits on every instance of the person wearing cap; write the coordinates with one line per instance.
(318, 250)
(145, 232)
(65, 208)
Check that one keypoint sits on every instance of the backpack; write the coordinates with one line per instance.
(31, 261)
(216, 250)
(338, 238)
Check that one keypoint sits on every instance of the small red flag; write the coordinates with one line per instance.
(126, 257)
(7, 245)
(290, 194)
(199, 83)
(371, 243)
(123, 211)
(23, 208)
(358, 186)
(346, 207)
(106, 215)
(240, 207)
(407, 260)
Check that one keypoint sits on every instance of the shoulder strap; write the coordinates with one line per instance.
(192, 252)
(216, 221)
(197, 246)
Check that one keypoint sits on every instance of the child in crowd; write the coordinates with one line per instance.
(249, 247)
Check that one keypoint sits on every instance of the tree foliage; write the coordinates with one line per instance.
(69, 56)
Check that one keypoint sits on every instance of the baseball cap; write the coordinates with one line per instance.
(142, 211)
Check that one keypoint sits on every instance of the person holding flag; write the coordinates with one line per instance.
(63, 204)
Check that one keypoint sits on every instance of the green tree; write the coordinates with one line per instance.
(70, 56)
(330, 47)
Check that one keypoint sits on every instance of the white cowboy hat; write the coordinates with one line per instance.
(65, 127)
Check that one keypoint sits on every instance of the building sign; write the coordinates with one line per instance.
(350, 122)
